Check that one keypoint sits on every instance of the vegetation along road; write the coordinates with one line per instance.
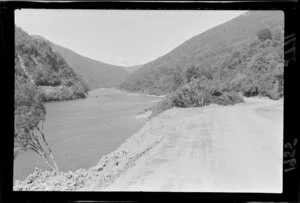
(228, 149)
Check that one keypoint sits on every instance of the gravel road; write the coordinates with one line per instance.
(213, 149)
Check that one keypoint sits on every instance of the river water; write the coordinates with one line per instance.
(80, 132)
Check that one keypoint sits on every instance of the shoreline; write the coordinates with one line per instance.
(138, 93)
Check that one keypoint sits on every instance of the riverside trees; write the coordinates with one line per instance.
(29, 112)
(29, 117)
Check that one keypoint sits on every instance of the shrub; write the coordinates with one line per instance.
(198, 93)
(202, 92)
(191, 72)
(250, 89)
(44, 77)
(197, 72)
(195, 93)
(78, 90)
(264, 34)
(236, 83)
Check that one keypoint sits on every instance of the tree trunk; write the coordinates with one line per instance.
(42, 154)
(49, 151)
(48, 163)
(54, 162)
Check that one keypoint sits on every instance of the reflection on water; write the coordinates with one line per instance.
(81, 131)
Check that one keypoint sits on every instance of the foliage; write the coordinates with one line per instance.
(45, 77)
(157, 82)
(201, 92)
(29, 114)
(195, 93)
(264, 34)
(198, 93)
(47, 68)
(197, 72)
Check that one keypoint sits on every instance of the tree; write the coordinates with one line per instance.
(191, 72)
(264, 34)
(29, 117)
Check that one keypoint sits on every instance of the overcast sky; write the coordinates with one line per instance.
(119, 37)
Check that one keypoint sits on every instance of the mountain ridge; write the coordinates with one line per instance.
(95, 73)
(209, 48)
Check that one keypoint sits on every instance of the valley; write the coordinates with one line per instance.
(204, 117)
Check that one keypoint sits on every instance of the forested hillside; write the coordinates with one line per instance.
(95, 73)
(244, 54)
(37, 63)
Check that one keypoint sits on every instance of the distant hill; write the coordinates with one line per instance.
(95, 73)
(212, 49)
(131, 69)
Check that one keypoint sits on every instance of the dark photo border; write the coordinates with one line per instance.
(291, 135)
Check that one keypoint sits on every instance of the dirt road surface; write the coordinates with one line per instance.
(213, 149)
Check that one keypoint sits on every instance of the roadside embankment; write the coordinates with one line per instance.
(216, 148)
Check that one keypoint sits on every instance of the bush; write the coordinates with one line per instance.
(78, 90)
(250, 89)
(197, 72)
(236, 83)
(264, 34)
(44, 77)
(227, 98)
(195, 93)
(198, 93)
(29, 109)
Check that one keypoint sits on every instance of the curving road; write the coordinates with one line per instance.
(214, 149)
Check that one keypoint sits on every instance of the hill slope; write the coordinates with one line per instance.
(94, 73)
(38, 64)
(131, 69)
(213, 49)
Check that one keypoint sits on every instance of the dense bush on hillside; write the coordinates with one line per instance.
(198, 92)
(47, 68)
(29, 112)
(241, 55)
(157, 82)
(264, 34)
(252, 68)
(61, 93)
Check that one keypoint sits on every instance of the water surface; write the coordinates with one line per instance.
(80, 132)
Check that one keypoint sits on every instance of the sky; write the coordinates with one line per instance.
(120, 37)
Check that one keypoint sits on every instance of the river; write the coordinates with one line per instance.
(80, 132)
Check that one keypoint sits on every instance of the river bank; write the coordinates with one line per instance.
(116, 171)
(108, 168)
(81, 131)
